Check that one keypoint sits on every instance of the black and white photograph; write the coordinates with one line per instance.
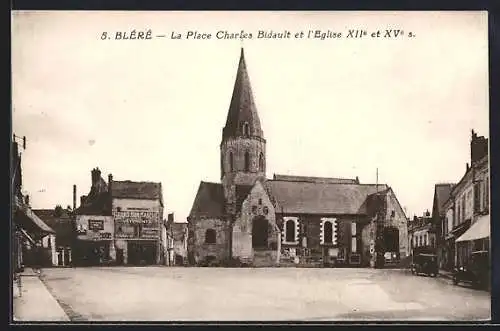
(265, 166)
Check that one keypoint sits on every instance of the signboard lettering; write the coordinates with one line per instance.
(96, 225)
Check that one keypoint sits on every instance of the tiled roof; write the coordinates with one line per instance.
(442, 193)
(136, 190)
(325, 180)
(98, 205)
(36, 219)
(62, 225)
(209, 201)
(321, 198)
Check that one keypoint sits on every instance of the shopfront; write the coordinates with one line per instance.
(95, 242)
(476, 238)
(137, 235)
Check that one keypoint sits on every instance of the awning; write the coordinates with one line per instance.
(479, 230)
(27, 236)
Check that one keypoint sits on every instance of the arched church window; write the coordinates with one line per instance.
(247, 161)
(246, 129)
(261, 162)
(231, 161)
(328, 230)
(290, 231)
(210, 236)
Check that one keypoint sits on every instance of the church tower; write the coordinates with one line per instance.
(243, 147)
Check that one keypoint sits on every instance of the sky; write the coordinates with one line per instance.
(153, 110)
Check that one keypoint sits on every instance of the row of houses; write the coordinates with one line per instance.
(116, 223)
(460, 220)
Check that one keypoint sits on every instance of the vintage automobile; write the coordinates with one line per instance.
(424, 263)
(475, 272)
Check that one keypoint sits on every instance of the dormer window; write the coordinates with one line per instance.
(246, 129)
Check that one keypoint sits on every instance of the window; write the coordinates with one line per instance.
(261, 162)
(393, 213)
(477, 197)
(210, 236)
(354, 242)
(247, 161)
(328, 230)
(290, 231)
(260, 201)
(463, 208)
(328, 233)
(487, 194)
(246, 131)
(231, 164)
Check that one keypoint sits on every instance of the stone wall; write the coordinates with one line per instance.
(219, 251)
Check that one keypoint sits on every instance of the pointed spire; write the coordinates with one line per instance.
(242, 110)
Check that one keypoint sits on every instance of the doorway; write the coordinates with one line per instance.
(260, 228)
(119, 256)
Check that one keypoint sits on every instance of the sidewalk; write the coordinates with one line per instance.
(35, 303)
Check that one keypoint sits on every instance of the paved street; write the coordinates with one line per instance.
(197, 294)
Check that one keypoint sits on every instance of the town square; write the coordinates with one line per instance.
(246, 187)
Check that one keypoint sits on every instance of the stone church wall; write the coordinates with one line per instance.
(218, 250)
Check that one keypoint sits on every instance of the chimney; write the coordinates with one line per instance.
(357, 180)
(478, 147)
(27, 200)
(82, 200)
(74, 197)
(170, 217)
(95, 175)
(110, 182)
(466, 167)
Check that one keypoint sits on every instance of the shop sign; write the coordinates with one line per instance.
(137, 217)
(96, 225)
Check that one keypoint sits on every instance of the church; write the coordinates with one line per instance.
(250, 220)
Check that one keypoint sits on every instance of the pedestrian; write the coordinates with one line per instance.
(37, 259)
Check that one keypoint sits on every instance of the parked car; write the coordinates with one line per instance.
(425, 264)
(476, 271)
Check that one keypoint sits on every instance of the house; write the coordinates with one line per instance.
(60, 244)
(286, 220)
(119, 222)
(176, 234)
(467, 221)
(421, 234)
(28, 230)
(442, 193)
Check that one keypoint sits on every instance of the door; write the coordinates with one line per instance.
(260, 233)
(119, 256)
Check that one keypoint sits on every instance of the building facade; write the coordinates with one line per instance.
(138, 214)
(295, 220)
(60, 244)
(119, 222)
(422, 234)
(30, 235)
(466, 225)
(440, 216)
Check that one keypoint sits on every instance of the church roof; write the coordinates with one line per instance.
(242, 108)
(310, 179)
(322, 198)
(209, 201)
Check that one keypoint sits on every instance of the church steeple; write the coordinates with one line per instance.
(243, 147)
(242, 117)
